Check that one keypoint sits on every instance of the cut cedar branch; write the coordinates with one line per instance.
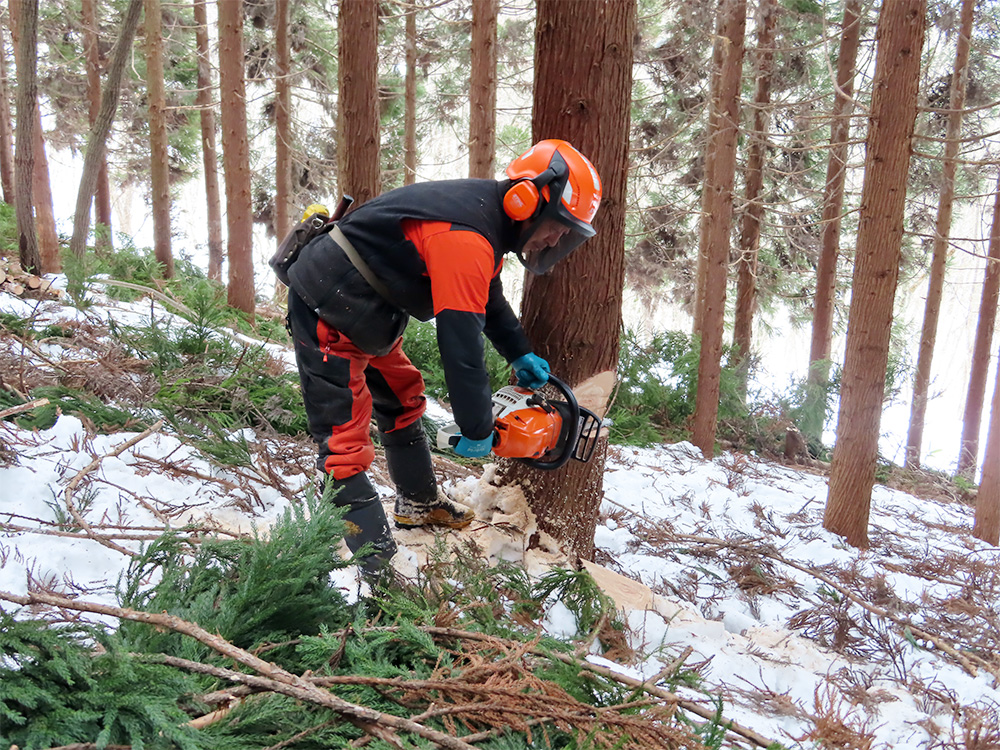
(498, 705)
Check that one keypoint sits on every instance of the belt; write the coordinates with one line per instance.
(358, 262)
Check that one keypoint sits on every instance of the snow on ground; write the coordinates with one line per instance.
(722, 557)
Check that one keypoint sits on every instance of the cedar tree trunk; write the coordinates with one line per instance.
(900, 37)
(583, 80)
(732, 25)
(410, 101)
(236, 158)
(6, 132)
(159, 161)
(833, 204)
(41, 190)
(968, 454)
(282, 122)
(99, 131)
(209, 153)
(746, 280)
(942, 231)
(24, 153)
(359, 113)
(102, 198)
(483, 90)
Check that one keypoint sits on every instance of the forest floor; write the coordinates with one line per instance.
(721, 565)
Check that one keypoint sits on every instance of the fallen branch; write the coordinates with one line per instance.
(631, 682)
(71, 488)
(10, 411)
(156, 293)
(270, 676)
(968, 662)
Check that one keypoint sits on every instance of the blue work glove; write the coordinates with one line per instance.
(474, 448)
(531, 370)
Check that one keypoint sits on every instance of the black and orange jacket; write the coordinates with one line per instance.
(438, 247)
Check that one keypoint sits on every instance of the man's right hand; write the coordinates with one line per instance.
(474, 448)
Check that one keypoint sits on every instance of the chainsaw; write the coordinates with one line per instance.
(541, 431)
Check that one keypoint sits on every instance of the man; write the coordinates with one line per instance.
(428, 250)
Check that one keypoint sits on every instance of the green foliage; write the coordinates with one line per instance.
(8, 230)
(104, 417)
(55, 689)
(249, 591)
(657, 383)
(420, 345)
(273, 597)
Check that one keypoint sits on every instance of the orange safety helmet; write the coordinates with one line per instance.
(552, 180)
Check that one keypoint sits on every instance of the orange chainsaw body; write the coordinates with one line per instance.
(529, 432)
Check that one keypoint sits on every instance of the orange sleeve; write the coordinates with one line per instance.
(460, 266)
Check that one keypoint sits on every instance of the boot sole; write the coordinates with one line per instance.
(432, 519)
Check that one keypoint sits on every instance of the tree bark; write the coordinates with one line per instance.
(236, 158)
(583, 74)
(102, 198)
(358, 112)
(708, 193)
(282, 122)
(6, 132)
(900, 38)
(410, 101)
(746, 283)
(101, 128)
(159, 161)
(483, 90)
(41, 189)
(968, 454)
(732, 26)
(942, 232)
(24, 154)
(209, 152)
(833, 204)
(987, 523)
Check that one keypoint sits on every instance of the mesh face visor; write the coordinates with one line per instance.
(541, 261)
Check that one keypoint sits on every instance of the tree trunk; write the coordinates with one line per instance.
(41, 190)
(159, 162)
(968, 454)
(6, 133)
(483, 90)
(833, 204)
(732, 25)
(236, 158)
(583, 80)
(746, 285)
(282, 122)
(708, 193)
(942, 232)
(88, 12)
(24, 153)
(209, 153)
(410, 101)
(900, 37)
(987, 523)
(359, 113)
(99, 131)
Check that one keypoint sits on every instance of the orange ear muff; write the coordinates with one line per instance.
(521, 200)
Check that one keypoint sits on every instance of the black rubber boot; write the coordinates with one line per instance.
(409, 461)
(418, 501)
(366, 522)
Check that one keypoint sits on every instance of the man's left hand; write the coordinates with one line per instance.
(531, 370)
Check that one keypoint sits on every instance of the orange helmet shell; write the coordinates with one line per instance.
(580, 186)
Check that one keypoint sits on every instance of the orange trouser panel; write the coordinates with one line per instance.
(342, 386)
